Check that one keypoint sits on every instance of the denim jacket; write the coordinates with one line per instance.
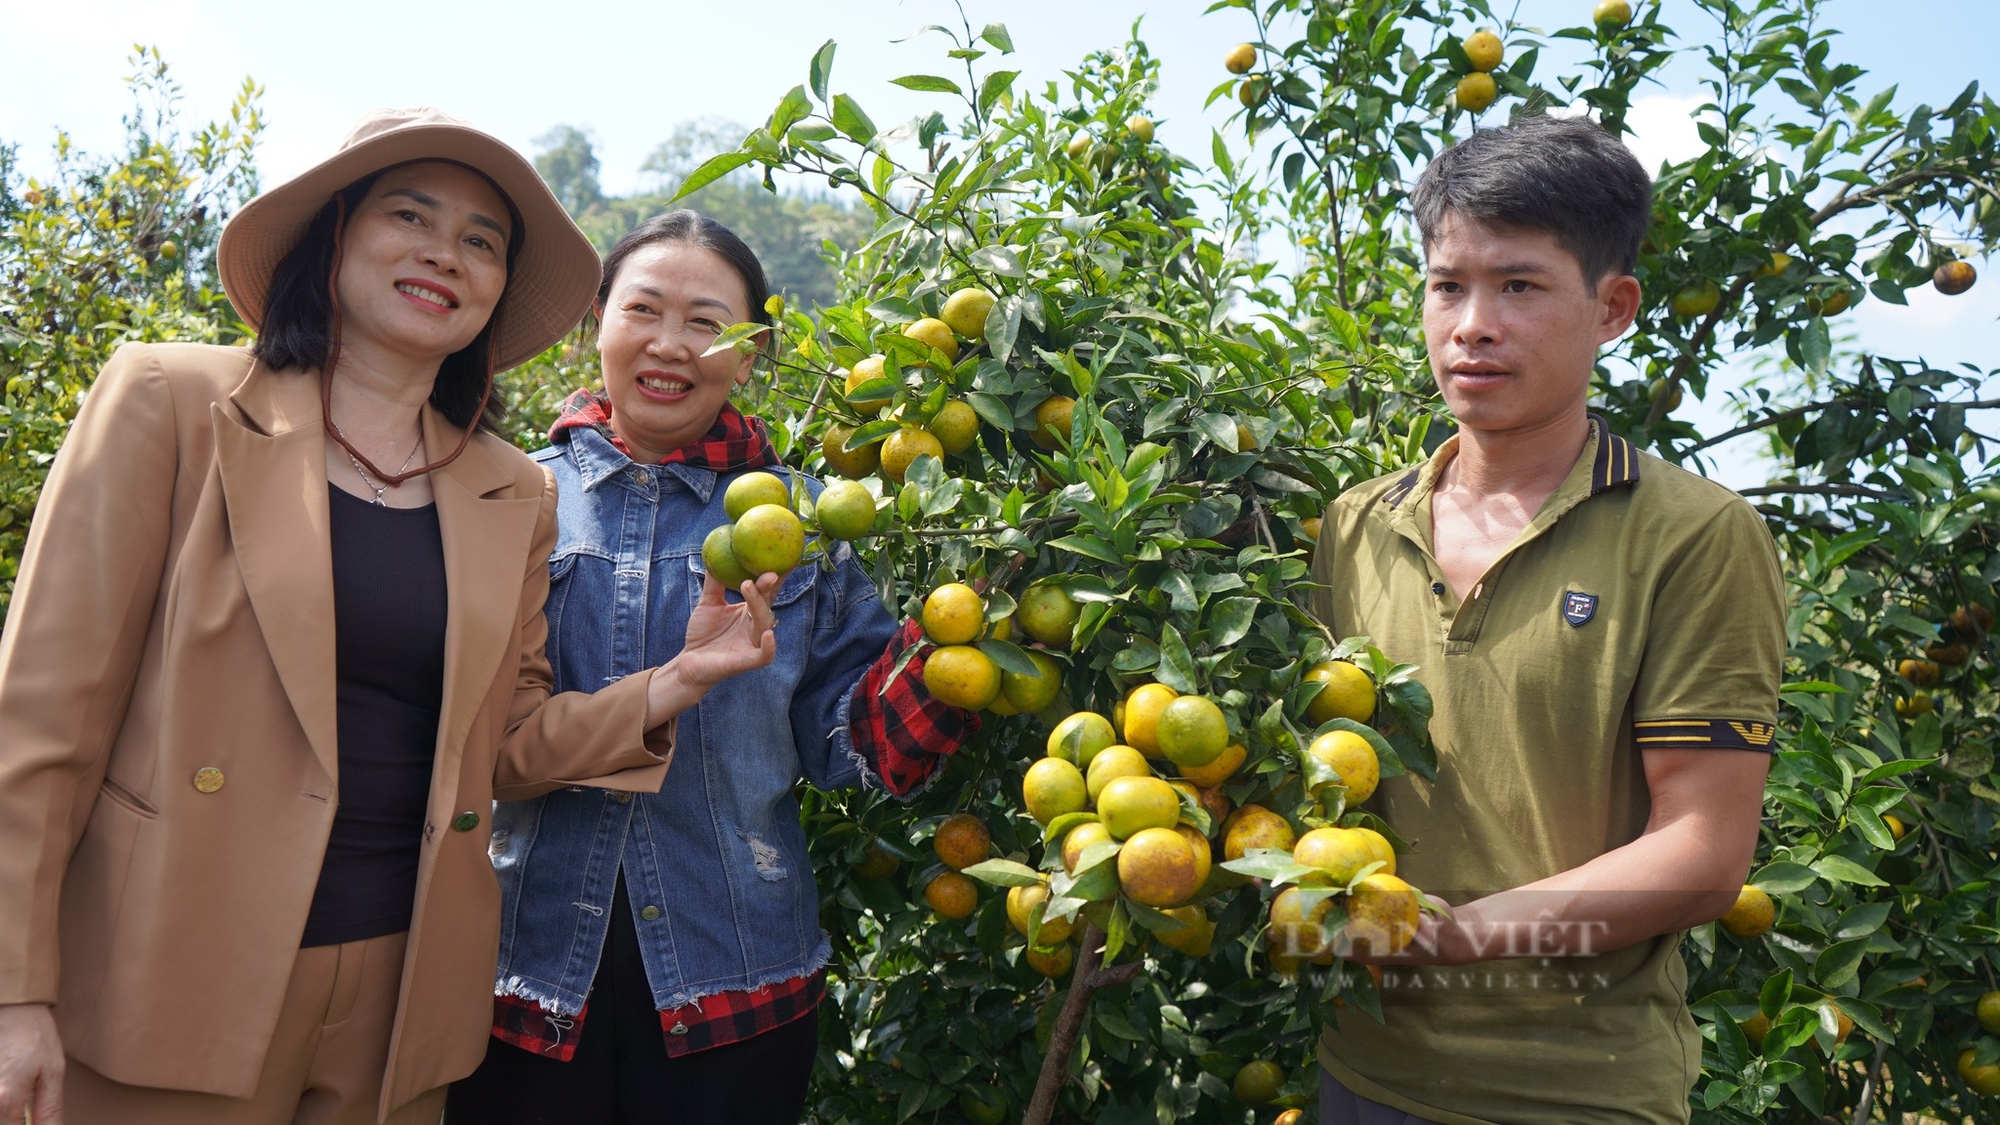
(715, 863)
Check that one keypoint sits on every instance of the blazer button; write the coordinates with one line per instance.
(465, 822)
(650, 913)
(208, 779)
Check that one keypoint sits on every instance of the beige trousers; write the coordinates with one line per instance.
(325, 1065)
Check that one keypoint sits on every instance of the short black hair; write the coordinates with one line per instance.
(691, 228)
(298, 314)
(1564, 175)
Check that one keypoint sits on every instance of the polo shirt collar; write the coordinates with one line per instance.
(1607, 462)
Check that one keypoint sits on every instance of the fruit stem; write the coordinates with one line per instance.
(1085, 980)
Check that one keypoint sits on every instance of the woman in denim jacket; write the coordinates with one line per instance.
(661, 956)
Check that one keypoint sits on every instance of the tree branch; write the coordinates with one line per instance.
(1866, 1102)
(1782, 415)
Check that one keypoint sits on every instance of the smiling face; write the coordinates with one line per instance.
(423, 261)
(1513, 328)
(666, 305)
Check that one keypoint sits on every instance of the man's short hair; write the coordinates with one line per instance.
(1563, 175)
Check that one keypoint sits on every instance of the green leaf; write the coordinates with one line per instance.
(1061, 826)
(1838, 964)
(996, 34)
(1010, 657)
(848, 118)
(1004, 873)
(1229, 620)
(1176, 665)
(1782, 878)
(794, 108)
(928, 83)
(735, 336)
(1815, 346)
(821, 71)
(1843, 870)
(711, 170)
(994, 86)
(1273, 864)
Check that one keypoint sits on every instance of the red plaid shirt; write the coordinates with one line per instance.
(901, 731)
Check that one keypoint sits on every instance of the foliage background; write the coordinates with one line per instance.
(1124, 282)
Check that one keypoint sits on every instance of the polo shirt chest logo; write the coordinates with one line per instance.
(1578, 608)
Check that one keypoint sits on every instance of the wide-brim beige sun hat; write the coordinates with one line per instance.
(555, 270)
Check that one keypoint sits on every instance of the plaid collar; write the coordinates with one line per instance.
(736, 440)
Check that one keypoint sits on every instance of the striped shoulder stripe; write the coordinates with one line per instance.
(1401, 488)
(1617, 462)
(1719, 734)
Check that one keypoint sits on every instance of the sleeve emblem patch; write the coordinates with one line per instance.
(1578, 608)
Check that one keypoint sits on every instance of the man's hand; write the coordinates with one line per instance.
(31, 1065)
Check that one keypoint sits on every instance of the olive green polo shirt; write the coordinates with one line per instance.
(1641, 608)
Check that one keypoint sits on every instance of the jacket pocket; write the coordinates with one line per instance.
(118, 793)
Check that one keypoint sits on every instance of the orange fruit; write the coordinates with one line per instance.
(1195, 937)
(1382, 914)
(845, 510)
(1380, 846)
(1476, 91)
(952, 894)
(1079, 738)
(1295, 930)
(1139, 721)
(1111, 763)
(956, 427)
(719, 558)
(901, 449)
(1483, 50)
(1950, 279)
(867, 371)
(1049, 960)
(1255, 827)
(962, 840)
(1077, 840)
(1895, 825)
(1130, 805)
(1753, 914)
(1140, 128)
(1988, 1011)
(853, 464)
(1053, 787)
(1053, 420)
(1204, 857)
(1340, 852)
(768, 539)
(965, 312)
(1021, 903)
(1027, 694)
(1696, 299)
(876, 863)
(752, 489)
(1156, 867)
(1240, 58)
(954, 614)
(1348, 694)
(936, 333)
(1258, 1082)
(1217, 770)
(1349, 755)
(1048, 614)
(962, 676)
(1192, 731)
(1610, 15)
(1253, 91)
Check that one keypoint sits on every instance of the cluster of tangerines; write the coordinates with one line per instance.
(873, 381)
(765, 534)
(1953, 648)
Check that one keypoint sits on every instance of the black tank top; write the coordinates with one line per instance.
(389, 621)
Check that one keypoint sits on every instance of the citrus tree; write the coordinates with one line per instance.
(102, 251)
(1144, 417)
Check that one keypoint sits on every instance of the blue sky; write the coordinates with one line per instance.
(629, 71)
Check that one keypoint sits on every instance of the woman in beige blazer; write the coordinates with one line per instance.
(262, 680)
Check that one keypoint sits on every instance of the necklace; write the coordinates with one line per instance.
(379, 489)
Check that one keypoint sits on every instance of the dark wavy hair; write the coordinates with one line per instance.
(691, 228)
(298, 312)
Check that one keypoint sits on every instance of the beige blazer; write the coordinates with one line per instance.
(168, 761)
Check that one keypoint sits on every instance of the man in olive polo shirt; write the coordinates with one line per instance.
(1602, 634)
